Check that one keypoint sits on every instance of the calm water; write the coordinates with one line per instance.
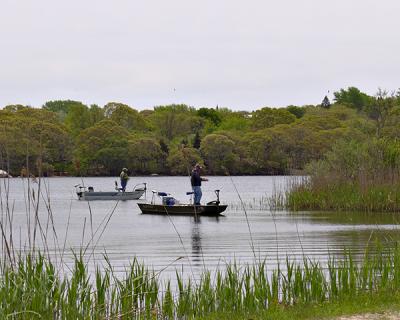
(122, 232)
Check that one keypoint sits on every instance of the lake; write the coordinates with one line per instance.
(168, 243)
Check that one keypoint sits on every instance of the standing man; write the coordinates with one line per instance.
(124, 178)
(196, 180)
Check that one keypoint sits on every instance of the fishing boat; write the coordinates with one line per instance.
(170, 206)
(88, 193)
(4, 174)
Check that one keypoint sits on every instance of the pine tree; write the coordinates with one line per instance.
(196, 141)
(326, 103)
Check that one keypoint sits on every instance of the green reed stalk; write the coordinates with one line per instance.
(34, 287)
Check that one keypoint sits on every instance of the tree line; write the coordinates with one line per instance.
(66, 137)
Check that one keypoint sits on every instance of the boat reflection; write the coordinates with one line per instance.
(196, 237)
(197, 250)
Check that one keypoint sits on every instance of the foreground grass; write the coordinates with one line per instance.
(32, 288)
(359, 304)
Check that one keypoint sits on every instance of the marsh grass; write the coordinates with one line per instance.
(353, 176)
(343, 196)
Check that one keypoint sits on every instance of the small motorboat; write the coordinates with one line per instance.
(4, 174)
(170, 206)
(88, 193)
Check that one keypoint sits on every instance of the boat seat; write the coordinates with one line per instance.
(162, 194)
(189, 193)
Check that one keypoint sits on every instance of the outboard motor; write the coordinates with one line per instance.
(79, 191)
(215, 202)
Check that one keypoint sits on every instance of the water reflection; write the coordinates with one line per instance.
(197, 251)
(348, 218)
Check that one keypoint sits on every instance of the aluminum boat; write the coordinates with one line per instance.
(88, 193)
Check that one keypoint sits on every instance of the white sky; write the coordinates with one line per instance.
(238, 54)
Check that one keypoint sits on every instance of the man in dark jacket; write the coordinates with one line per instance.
(196, 180)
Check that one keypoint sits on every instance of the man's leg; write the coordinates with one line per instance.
(197, 195)
(200, 195)
(194, 188)
(123, 184)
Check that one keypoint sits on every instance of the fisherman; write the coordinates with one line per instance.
(196, 180)
(124, 178)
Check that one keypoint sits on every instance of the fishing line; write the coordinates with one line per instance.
(44, 233)
(102, 232)
(65, 238)
(276, 236)
(38, 224)
(91, 220)
(247, 219)
(50, 217)
(181, 241)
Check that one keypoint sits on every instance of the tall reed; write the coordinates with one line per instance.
(354, 176)
(35, 288)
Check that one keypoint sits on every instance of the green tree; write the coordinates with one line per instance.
(102, 149)
(298, 112)
(381, 108)
(219, 154)
(181, 160)
(236, 121)
(61, 107)
(125, 116)
(352, 97)
(15, 107)
(146, 156)
(196, 141)
(176, 121)
(264, 154)
(326, 103)
(42, 140)
(268, 117)
(96, 114)
(210, 114)
(77, 119)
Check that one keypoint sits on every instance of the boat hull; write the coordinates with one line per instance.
(186, 209)
(113, 195)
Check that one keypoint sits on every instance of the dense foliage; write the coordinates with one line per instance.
(69, 137)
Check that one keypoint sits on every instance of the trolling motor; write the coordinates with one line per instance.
(79, 190)
(143, 188)
(215, 202)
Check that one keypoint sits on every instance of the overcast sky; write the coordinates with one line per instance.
(238, 54)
